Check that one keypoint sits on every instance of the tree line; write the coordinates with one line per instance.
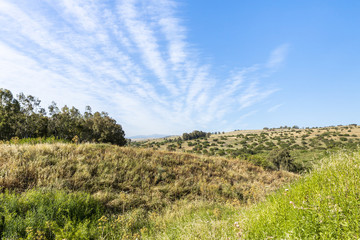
(195, 135)
(23, 117)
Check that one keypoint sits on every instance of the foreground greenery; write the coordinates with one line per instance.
(322, 205)
(43, 214)
(92, 191)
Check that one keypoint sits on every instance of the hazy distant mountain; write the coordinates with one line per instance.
(149, 136)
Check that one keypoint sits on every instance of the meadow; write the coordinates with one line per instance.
(50, 189)
(92, 191)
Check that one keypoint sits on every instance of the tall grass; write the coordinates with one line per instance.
(145, 194)
(42, 214)
(38, 140)
(195, 220)
(124, 178)
(323, 205)
(51, 214)
(99, 191)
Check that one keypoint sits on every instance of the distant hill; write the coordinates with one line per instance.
(260, 141)
(145, 137)
(305, 145)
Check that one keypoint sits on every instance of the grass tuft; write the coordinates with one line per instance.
(322, 205)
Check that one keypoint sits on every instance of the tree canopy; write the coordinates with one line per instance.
(194, 135)
(23, 117)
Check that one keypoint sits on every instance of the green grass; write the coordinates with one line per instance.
(323, 205)
(99, 191)
(53, 214)
(196, 220)
(69, 191)
(38, 140)
(40, 214)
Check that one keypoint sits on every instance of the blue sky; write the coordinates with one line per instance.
(168, 67)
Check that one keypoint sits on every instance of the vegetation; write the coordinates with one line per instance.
(322, 205)
(102, 183)
(281, 159)
(38, 140)
(23, 117)
(195, 135)
(303, 147)
(55, 184)
(126, 178)
(43, 214)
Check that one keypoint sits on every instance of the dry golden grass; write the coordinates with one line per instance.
(125, 178)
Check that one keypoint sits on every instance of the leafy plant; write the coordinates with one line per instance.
(282, 159)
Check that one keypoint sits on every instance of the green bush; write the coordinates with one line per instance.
(282, 159)
(260, 160)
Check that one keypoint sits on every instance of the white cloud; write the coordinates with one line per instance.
(277, 56)
(274, 108)
(143, 36)
(130, 58)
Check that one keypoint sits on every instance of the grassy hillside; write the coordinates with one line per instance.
(90, 191)
(306, 146)
(322, 205)
(261, 140)
(93, 191)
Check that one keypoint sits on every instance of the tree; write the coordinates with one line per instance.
(282, 160)
(24, 118)
(9, 113)
(195, 135)
(105, 129)
(32, 121)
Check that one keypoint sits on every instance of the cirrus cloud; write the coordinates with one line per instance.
(130, 58)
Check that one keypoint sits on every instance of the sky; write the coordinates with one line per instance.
(174, 66)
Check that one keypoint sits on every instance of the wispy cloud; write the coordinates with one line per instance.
(128, 57)
(277, 56)
(274, 108)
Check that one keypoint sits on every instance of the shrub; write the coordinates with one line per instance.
(261, 161)
(282, 160)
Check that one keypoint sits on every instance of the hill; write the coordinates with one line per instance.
(100, 180)
(100, 191)
(305, 146)
(147, 137)
(146, 178)
(261, 140)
